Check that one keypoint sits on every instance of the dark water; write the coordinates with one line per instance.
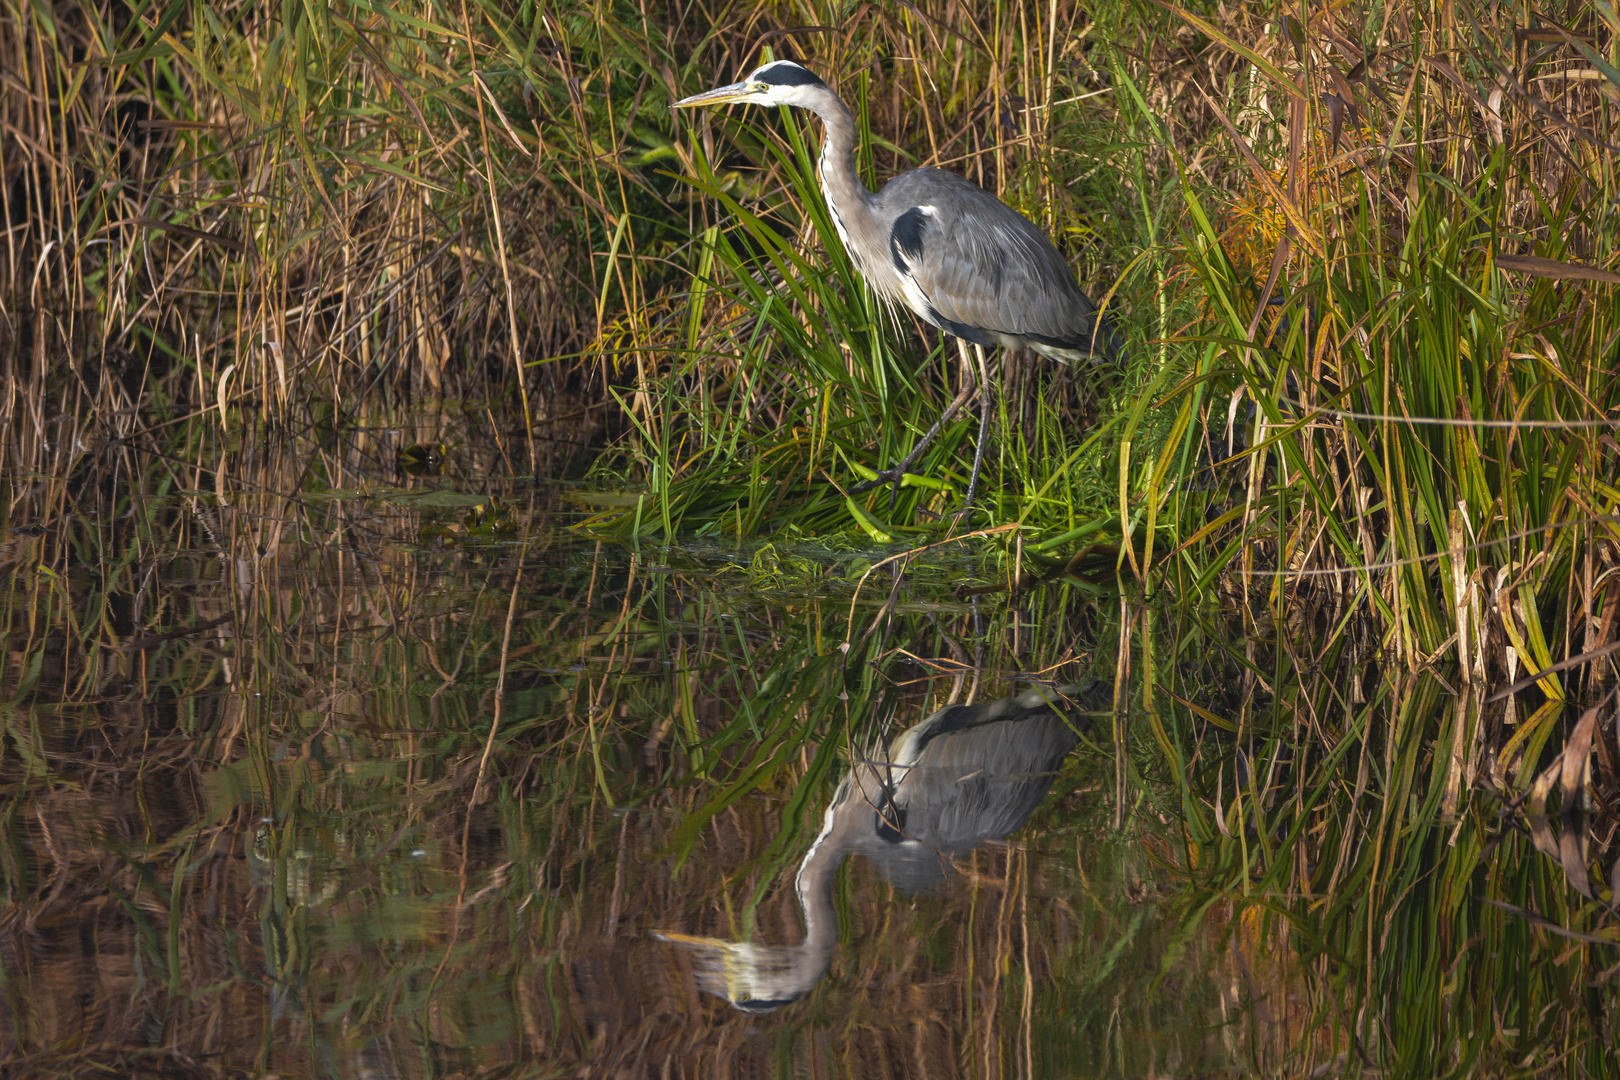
(380, 784)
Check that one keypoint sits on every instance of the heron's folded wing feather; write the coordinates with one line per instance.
(983, 265)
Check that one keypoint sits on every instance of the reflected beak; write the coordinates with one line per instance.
(720, 95)
(687, 939)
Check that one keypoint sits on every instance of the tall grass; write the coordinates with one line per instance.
(1432, 351)
(286, 219)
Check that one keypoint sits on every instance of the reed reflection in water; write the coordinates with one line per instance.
(261, 842)
(260, 814)
(965, 775)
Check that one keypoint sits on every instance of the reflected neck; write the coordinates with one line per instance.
(819, 870)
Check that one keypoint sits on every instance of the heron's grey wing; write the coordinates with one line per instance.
(970, 773)
(1076, 701)
(982, 266)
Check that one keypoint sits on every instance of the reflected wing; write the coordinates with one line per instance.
(984, 782)
(968, 774)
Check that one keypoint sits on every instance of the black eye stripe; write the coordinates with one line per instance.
(787, 74)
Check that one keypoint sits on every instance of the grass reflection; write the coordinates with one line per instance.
(376, 800)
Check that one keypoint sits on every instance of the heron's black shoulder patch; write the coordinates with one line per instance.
(787, 73)
(890, 821)
(906, 238)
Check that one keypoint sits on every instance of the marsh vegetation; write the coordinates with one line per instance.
(431, 563)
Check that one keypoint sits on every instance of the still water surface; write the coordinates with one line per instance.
(385, 788)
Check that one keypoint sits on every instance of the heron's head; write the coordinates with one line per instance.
(781, 82)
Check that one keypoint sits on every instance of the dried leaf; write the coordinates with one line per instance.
(187, 232)
(1571, 857)
(1541, 835)
(1573, 759)
(1540, 830)
(1547, 924)
(1562, 665)
(1553, 268)
(1296, 219)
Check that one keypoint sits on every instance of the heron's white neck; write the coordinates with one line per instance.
(847, 198)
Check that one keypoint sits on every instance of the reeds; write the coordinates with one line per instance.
(1358, 816)
(261, 264)
(1431, 353)
(227, 222)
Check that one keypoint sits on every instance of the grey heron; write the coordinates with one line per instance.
(957, 256)
(965, 775)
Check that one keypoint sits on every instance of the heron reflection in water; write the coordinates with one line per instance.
(966, 775)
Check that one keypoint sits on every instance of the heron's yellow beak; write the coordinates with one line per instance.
(720, 95)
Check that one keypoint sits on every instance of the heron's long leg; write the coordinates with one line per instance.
(896, 474)
(987, 397)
